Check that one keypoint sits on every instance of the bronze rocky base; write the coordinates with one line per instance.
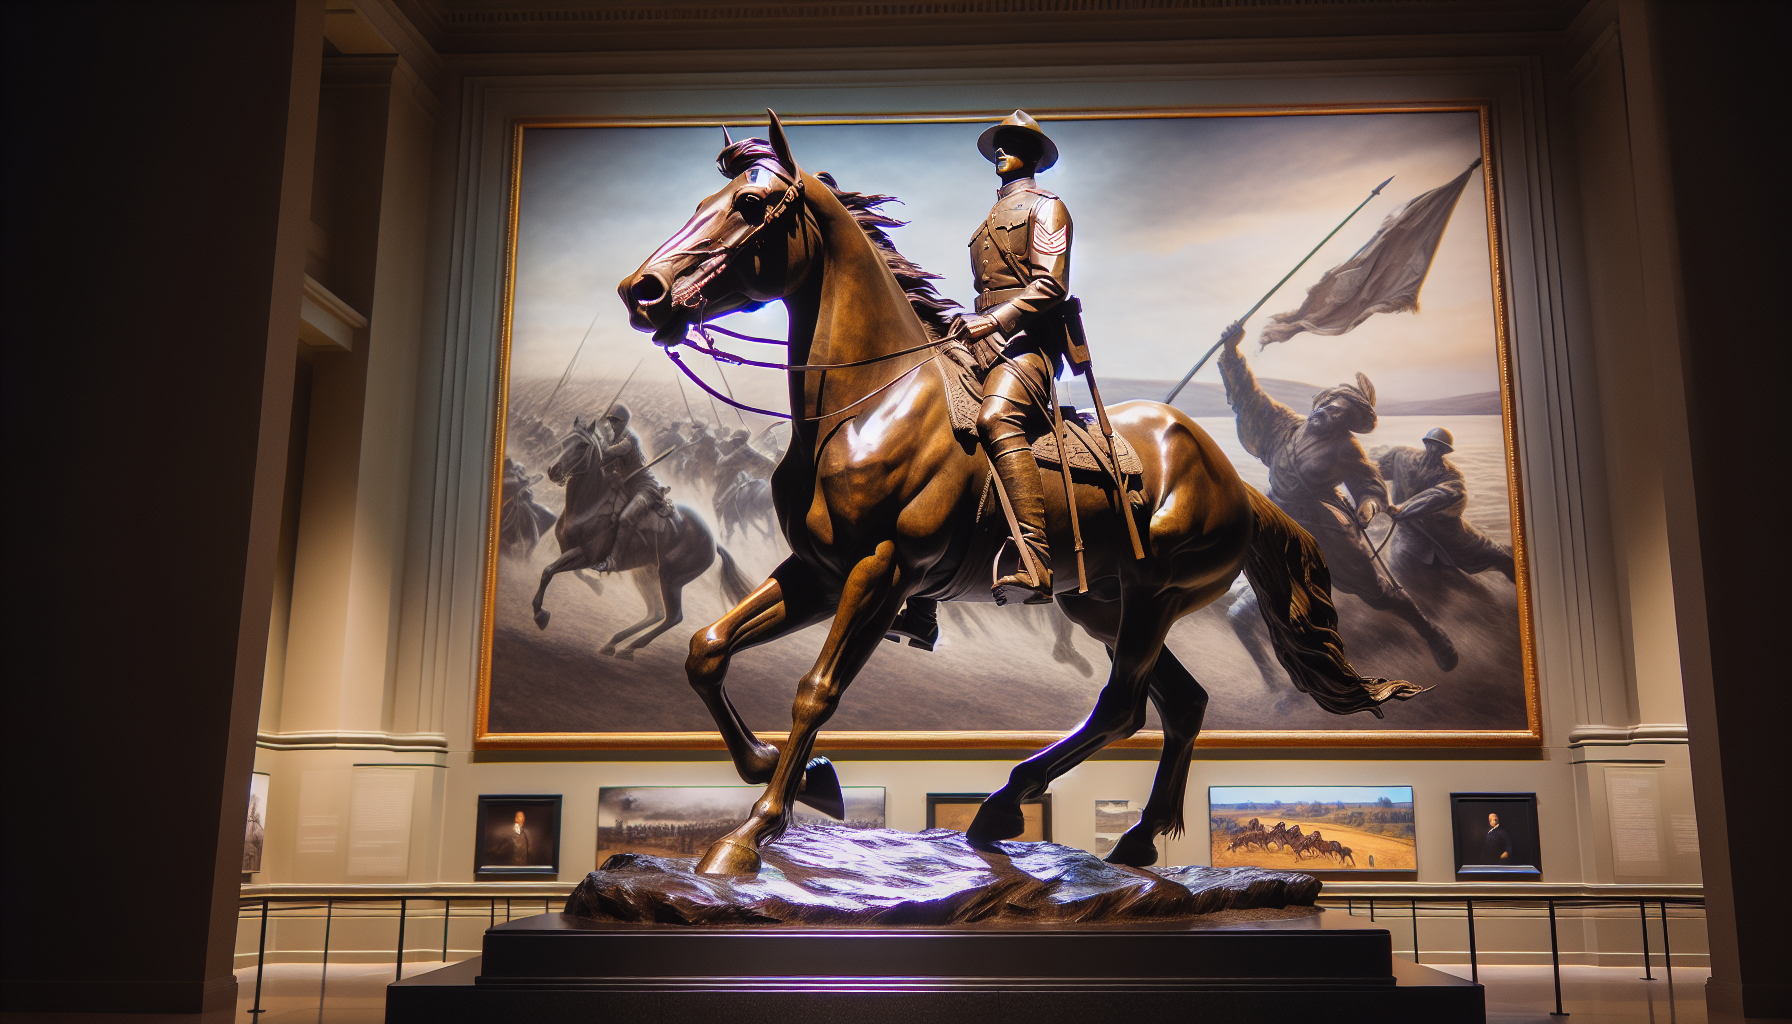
(831, 875)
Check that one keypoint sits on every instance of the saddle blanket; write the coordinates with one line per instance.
(1087, 452)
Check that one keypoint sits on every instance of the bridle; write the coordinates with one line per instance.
(690, 296)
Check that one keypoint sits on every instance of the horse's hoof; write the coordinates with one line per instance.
(1134, 853)
(727, 857)
(821, 789)
(626, 654)
(541, 618)
(609, 649)
(994, 823)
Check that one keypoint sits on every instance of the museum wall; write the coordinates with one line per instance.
(373, 710)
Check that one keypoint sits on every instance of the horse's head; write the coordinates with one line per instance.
(749, 244)
(575, 451)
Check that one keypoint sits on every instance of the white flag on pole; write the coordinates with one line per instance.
(1383, 277)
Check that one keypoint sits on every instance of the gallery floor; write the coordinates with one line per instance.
(356, 994)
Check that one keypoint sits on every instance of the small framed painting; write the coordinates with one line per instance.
(255, 831)
(518, 838)
(681, 821)
(1496, 837)
(956, 810)
(1313, 828)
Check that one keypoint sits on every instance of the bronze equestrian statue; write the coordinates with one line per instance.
(880, 501)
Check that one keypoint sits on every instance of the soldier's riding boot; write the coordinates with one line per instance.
(1019, 473)
(918, 623)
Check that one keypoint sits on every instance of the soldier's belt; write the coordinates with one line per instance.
(995, 297)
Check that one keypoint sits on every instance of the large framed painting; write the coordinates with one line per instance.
(1373, 233)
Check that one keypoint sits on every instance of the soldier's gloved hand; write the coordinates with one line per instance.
(980, 325)
(1367, 510)
(1233, 334)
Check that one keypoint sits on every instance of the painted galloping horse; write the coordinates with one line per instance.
(879, 500)
(676, 551)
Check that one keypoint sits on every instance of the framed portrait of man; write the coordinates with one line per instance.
(1496, 837)
(1371, 399)
(518, 837)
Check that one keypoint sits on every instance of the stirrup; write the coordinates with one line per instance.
(1021, 581)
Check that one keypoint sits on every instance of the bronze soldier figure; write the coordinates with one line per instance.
(1020, 262)
(1432, 496)
(621, 458)
(1308, 457)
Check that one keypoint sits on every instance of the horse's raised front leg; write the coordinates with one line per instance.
(648, 582)
(1145, 620)
(574, 559)
(1182, 704)
(791, 599)
(868, 604)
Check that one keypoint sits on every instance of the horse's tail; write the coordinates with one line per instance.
(1294, 594)
(734, 586)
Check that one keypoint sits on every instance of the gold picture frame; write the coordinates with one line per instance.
(1531, 735)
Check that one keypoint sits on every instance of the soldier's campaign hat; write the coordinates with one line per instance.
(1443, 437)
(1019, 122)
(1359, 401)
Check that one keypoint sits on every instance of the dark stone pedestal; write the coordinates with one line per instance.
(1241, 965)
(861, 926)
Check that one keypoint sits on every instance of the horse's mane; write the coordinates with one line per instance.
(934, 309)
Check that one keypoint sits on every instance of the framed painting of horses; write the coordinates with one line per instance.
(741, 459)
(1313, 828)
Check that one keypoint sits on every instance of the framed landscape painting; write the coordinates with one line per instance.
(1313, 828)
(681, 821)
(1181, 223)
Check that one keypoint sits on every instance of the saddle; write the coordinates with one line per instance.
(1088, 453)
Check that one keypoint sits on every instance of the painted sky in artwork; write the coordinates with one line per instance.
(1181, 224)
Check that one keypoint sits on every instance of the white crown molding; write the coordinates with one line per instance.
(325, 321)
(406, 742)
(1625, 735)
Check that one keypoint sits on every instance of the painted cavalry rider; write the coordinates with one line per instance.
(1308, 457)
(621, 459)
(1020, 262)
(1432, 496)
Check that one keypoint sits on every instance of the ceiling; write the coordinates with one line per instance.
(597, 26)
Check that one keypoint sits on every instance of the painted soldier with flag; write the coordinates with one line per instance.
(1310, 457)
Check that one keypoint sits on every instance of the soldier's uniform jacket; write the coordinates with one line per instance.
(1020, 263)
(622, 459)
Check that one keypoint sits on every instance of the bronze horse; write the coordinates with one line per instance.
(879, 501)
(679, 550)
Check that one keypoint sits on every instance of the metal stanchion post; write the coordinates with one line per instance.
(400, 941)
(1555, 961)
(261, 959)
(323, 974)
(1415, 931)
(447, 912)
(1642, 909)
(1667, 952)
(1474, 967)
